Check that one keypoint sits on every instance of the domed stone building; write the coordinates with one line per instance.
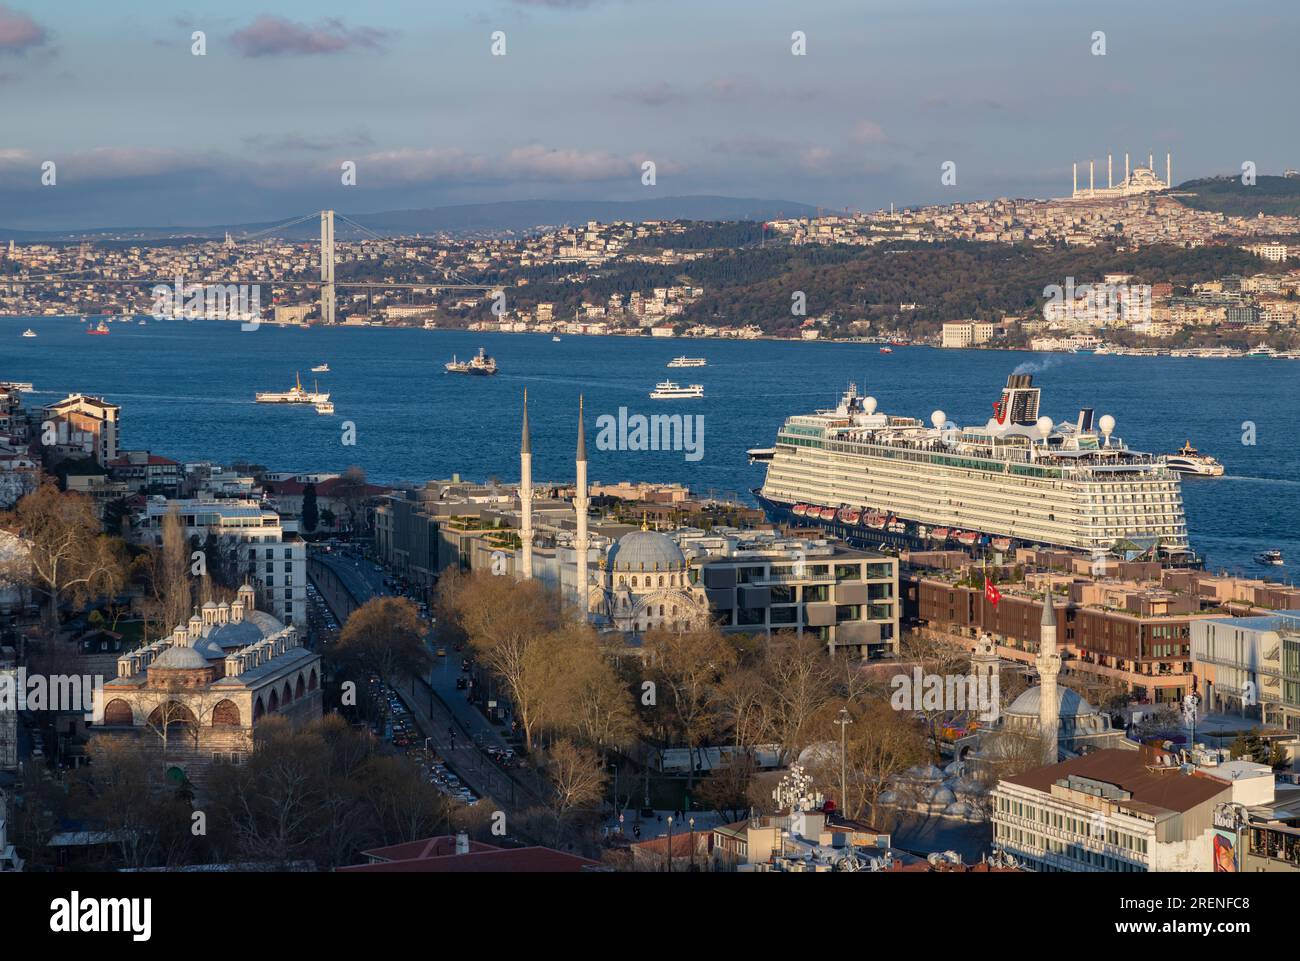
(645, 581)
(201, 691)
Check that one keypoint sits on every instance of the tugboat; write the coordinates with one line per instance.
(1190, 461)
(99, 331)
(1273, 558)
(481, 366)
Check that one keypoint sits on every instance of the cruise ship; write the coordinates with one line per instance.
(297, 395)
(879, 479)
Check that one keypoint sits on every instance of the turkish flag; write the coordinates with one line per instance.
(992, 593)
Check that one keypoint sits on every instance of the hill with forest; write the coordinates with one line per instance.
(752, 284)
(1273, 196)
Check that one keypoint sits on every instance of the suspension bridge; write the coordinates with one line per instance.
(327, 283)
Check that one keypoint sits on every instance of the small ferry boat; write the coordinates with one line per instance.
(669, 390)
(324, 407)
(688, 362)
(321, 369)
(297, 395)
(29, 332)
(886, 350)
(761, 455)
(1190, 461)
(100, 330)
(1270, 557)
(482, 365)
(555, 340)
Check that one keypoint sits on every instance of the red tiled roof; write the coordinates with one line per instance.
(1131, 771)
(426, 848)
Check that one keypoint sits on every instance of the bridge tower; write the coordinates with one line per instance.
(327, 266)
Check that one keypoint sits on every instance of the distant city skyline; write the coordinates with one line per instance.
(144, 133)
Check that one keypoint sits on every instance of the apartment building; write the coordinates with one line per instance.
(966, 333)
(1250, 665)
(265, 547)
(763, 582)
(80, 425)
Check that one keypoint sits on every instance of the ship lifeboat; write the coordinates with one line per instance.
(828, 513)
(1002, 543)
(967, 538)
(851, 515)
(799, 510)
(939, 534)
(876, 521)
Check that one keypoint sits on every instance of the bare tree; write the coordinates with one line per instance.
(70, 558)
(577, 781)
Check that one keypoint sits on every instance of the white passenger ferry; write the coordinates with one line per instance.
(670, 390)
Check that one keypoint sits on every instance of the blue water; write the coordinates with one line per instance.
(186, 391)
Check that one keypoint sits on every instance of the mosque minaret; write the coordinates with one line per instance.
(526, 499)
(580, 502)
(1049, 667)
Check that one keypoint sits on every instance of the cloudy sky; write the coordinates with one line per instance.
(143, 132)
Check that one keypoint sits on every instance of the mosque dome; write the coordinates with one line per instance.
(179, 658)
(646, 551)
(1071, 705)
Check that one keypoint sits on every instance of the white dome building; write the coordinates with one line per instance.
(646, 585)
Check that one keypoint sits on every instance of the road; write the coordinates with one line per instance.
(437, 706)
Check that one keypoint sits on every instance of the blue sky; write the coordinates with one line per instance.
(143, 132)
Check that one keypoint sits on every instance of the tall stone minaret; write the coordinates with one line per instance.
(1049, 667)
(526, 499)
(580, 501)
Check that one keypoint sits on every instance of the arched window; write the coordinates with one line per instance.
(301, 689)
(175, 715)
(621, 580)
(118, 711)
(661, 610)
(311, 680)
(225, 714)
(287, 696)
(661, 580)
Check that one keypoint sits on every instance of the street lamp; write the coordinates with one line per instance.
(670, 844)
(843, 721)
(691, 822)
